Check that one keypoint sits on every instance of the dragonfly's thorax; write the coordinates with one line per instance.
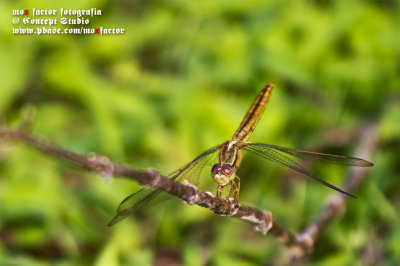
(230, 154)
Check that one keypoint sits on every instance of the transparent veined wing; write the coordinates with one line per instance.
(277, 154)
(150, 196)
(312, 156)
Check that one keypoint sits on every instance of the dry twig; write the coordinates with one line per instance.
(336, 204)
(262, 219)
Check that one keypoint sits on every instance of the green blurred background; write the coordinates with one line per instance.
(178, 82)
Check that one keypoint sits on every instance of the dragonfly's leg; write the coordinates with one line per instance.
(237, 188)
(219, 191)
(231, 188)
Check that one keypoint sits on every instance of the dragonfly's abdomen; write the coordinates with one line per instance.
(253, 115)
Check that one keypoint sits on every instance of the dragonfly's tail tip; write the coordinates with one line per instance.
(269, 86)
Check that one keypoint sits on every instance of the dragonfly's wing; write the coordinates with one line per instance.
(140, 197)
(276, 155)
(312, 156)
(138, 200)
(150, 196)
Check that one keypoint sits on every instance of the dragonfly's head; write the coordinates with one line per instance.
(223, 173)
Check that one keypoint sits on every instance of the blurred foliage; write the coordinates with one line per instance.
(178, 82)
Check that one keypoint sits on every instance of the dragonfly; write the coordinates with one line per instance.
(224, 172)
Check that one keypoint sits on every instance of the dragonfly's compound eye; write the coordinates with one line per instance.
(227, 169)
(215, 169)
